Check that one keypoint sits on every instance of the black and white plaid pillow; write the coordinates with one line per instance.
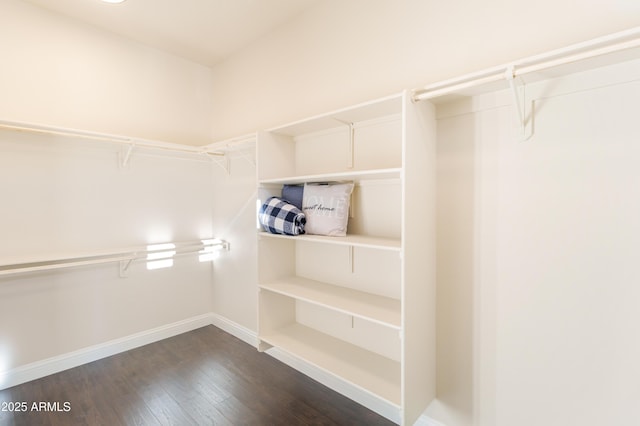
(280, 217)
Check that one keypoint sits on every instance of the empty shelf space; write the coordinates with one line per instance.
(379, 309)
(351, 175)
(350, 240)
(371, 372)
(367, 111)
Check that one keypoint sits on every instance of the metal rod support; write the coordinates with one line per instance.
(610, 44)
(86, 259)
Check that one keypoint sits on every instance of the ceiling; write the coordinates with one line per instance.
(204, 31)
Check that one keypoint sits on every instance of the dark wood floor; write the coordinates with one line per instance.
(204, 377)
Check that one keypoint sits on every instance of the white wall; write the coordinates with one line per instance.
(496, 361)
(59, 72)
(567, 263)
(340, 53)
(537, 265)
(61, 195)
(235, 282)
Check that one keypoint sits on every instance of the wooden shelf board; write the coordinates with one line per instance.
(371, 307)
(350, 240)
(371, 372)
(351, 175)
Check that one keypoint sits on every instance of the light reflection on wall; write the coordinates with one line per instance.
(161, 256)
(211, 250)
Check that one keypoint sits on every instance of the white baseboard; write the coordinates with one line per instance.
(425, 420)
(39, 369)
(235, 329)
(333, 382)
(372, 402)
(59, 363)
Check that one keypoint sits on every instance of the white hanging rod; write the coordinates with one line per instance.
(95, 258)
(53, 130)
(612, 43)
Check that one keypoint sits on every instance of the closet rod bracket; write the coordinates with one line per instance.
(520, 105)
(124, 267)
(220, 159)
(510, 76)
(126, 155)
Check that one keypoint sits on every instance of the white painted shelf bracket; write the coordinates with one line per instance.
(224, 159)
(351, 260)
(221, 160)
(221, 153)
(352, 135)
(248, 156)
(124, 267)
(524, 115)
(226, 164)
(125, 155)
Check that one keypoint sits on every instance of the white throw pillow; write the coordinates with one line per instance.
(326, 208)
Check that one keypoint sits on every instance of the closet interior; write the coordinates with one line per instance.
(359, 308)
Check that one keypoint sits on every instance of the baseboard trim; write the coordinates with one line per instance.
(73, 359)
(333, 382)
(380, 406)
(63, 362)
(425, 420)
(246, 335)
(339, 385)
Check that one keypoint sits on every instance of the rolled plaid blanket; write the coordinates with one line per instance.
(280, 217)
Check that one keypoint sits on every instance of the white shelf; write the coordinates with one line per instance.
(111, 138)
(371, 372)
(387, 148)
(379, 309)
(366, 111)
(351, 175)
(350, 240)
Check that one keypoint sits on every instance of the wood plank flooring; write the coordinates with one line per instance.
(204, 377)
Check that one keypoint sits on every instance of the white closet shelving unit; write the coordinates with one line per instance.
(360, 307)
